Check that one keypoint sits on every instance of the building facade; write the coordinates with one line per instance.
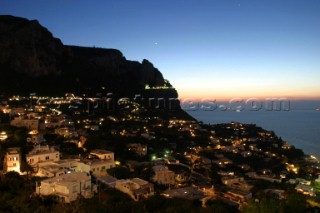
(103, 154)
(42, 154)
(68, 187)
(12, 160)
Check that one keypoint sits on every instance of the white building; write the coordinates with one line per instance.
(57, 168)
(42, 154)
(95, 167)
(12, 160)
(68, 187)
(103, 154)
(136, 188)
(52, 170)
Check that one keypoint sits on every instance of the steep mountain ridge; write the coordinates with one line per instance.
(32, 60)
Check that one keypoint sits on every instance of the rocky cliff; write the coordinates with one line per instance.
(32, 60)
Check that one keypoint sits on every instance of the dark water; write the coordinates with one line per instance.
(300, 126)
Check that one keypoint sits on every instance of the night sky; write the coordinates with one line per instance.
(206, 48)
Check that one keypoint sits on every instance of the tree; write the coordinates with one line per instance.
(12, 175)
(267, 204)
(217, 206)
(295, 203)
(25, 167)
(155, 203)
(20, 135)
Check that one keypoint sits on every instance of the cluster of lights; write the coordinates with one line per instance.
(291, 167)
(158, 87)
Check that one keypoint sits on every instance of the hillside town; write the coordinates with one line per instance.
(78, 148)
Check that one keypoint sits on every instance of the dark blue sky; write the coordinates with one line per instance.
(206, 48)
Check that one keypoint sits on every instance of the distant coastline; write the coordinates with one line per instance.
(299, 126)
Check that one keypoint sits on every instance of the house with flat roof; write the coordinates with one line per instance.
(96, 167)
(136, 188)
(57, 168)
(42, 154)
(68, 187)
(103, 154)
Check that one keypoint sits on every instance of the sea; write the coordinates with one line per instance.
(297, 122)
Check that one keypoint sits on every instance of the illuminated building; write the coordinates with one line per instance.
(103, 154)
(42, 154)
(12, 160)
(68, 187)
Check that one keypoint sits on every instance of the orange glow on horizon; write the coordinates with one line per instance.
(245, 87)
(227, 96)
